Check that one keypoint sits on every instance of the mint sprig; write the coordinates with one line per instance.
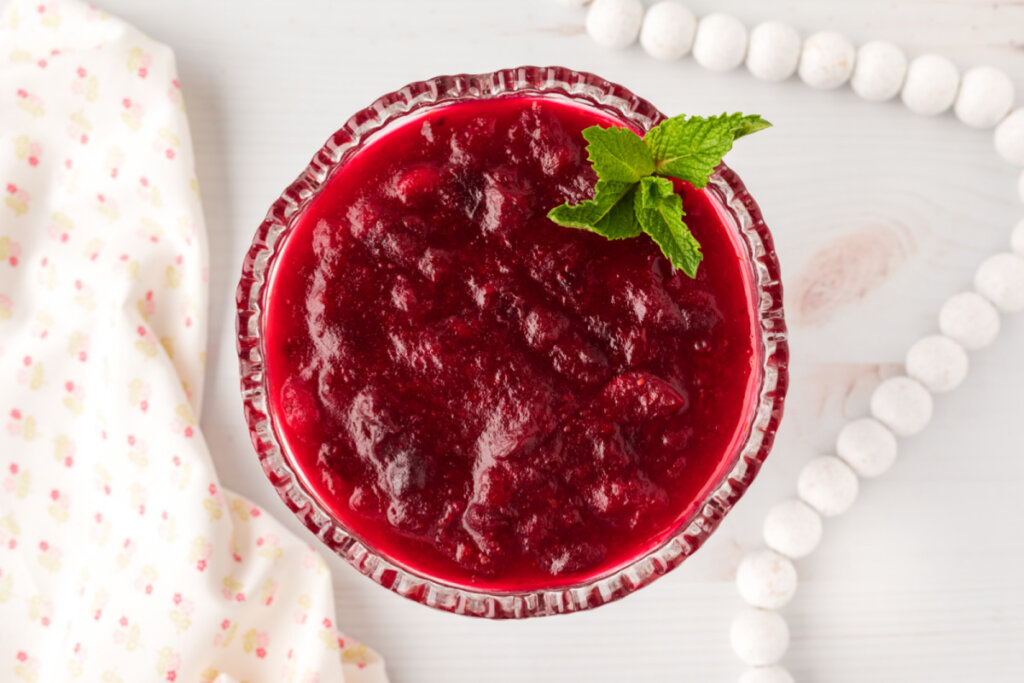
(630, 198)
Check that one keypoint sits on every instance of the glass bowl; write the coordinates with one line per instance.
(586, 90)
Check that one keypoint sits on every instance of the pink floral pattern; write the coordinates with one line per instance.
(121, 556)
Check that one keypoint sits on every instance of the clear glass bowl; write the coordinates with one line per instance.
(583, 89)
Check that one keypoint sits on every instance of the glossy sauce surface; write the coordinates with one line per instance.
(482, 395)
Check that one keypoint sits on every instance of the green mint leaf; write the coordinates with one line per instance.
(660, 212)
(618, 154)
(609, 213)
(690, 148)
(630, 198)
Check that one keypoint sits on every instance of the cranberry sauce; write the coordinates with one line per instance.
(484, 396)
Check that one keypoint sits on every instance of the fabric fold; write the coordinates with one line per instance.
(121, 557)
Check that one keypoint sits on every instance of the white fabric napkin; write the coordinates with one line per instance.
(121, 557)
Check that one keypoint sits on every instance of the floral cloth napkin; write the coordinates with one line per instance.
(121, 557)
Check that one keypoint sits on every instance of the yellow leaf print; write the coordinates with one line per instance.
(185, 413)
(198, 546)
(271, 552)
(23, 672)
(92, 249)
(267, 591)
(92, 89)
(20, 56)
(29, 432)
(330, 642)
(35, 381)
(22, 484)
(134, 58)
(110, 676)
(137, 391)
(232, 584)
(137, 494)
(132, 642)
(357, 654)
(75, 668)
(73, 404)
(133, 121)
(78, 118)
(212, 509)
(183, 476)
(208, 675)
(50, 277)
(123, 559)
(168, 345)
(169, 531)
(16, 205)
(109, 210)
(10, 19)
(249, 640)
(168, 136)
(62, 220)
(59, 513)
(173, 279)
(305, 602)
(33, 105)
(146, 348)
(165, 660)
(137, 456)
(240, 509)
(50, 562)
(35, 607)
(8, 524)
(22, 143)
(230, 635)
(6, 587)
(180, 620)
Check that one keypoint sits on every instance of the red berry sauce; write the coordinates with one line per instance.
(486, 397)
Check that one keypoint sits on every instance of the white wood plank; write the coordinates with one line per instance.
(922, 579)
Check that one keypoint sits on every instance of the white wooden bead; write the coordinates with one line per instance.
(774, 51)
(792, 528)
(867, 446)
(766, 674)
(986, 97)
(828, 485)
(766, 579)
(937, 362)
(759, 637)
(903, 405)
(721, 42)
(931, 85)
(668, 30)
(615, 23)
(970, 320)
(879, 72)
(1000, 279)
(1017, 238)
(1009, 138)
(827, 60)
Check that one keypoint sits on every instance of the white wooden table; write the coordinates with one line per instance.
(924, 579)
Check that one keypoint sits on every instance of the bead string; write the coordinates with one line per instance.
(900, 406)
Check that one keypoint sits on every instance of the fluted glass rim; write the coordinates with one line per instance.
(766, 411)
